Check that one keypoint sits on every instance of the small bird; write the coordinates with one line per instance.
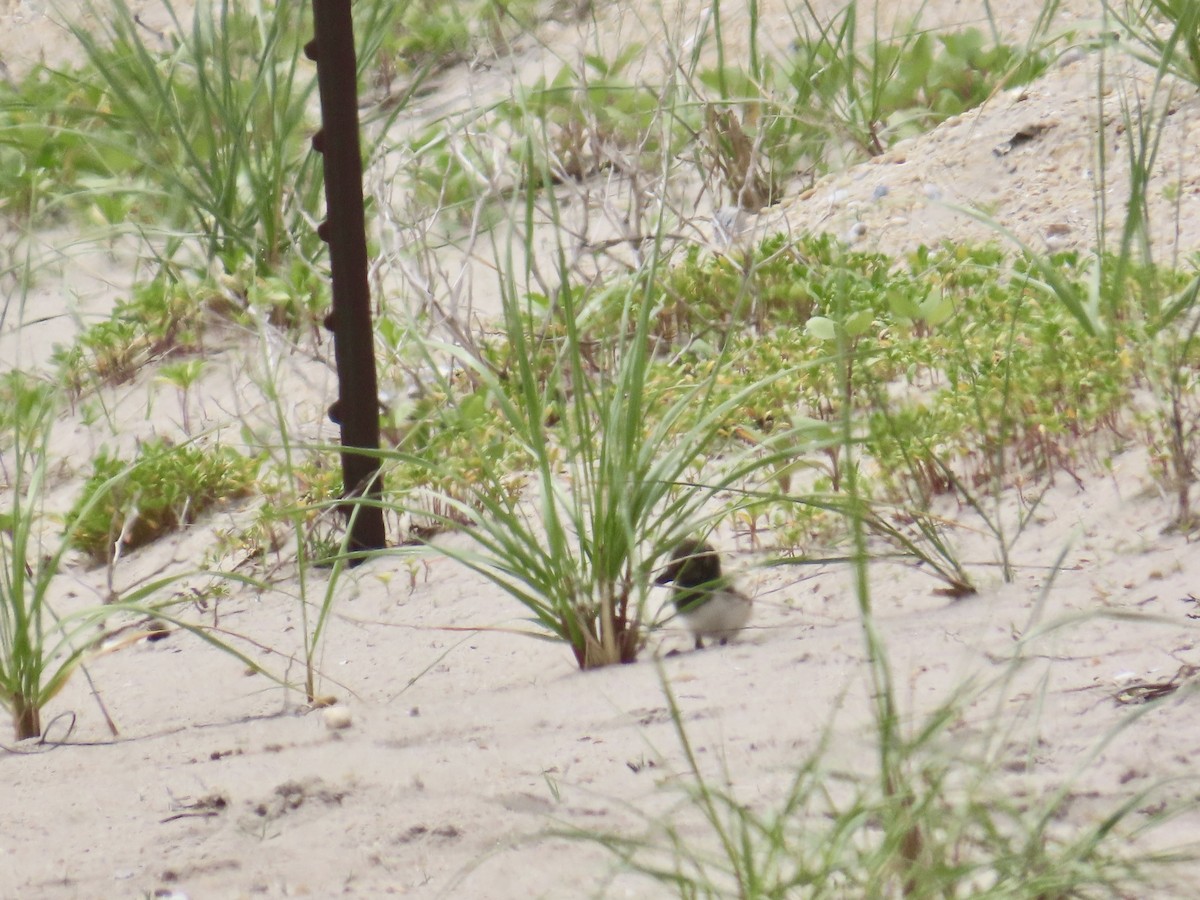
(708, 602)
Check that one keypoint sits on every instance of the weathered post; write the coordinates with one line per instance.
(344, 230)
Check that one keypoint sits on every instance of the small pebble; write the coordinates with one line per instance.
(881, 191)
(933, 192)
(337, 718)
(856, 232)
(1072, 56)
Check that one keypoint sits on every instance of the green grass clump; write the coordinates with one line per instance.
(292, 297)
(162, 489)
(217, 125)
(205, 138)
(609, 488)
(39, 650)
(992, 356)
(167, 317)
(937, 76)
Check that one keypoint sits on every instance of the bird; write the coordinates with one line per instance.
(709, 603)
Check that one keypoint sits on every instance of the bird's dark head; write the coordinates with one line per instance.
(693, 564)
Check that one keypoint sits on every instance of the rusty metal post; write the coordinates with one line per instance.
(344, 230)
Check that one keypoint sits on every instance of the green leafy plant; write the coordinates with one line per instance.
(291, 297)
(183, 375)
(1022, 392)
(22, 397)
(431, 35)
(164, 488)
(162, 318)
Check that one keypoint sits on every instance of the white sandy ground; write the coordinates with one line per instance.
(466, 747)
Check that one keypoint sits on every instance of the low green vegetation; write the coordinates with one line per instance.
(163, 321)
(759, 127)
(963, 376)
(830, 404)
(162, 489)
(435, 34)
(834, 101)
(21, 397)
(160, 319)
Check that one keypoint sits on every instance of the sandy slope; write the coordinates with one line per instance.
(468, 746)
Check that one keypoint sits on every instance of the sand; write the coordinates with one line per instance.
(459, 752)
